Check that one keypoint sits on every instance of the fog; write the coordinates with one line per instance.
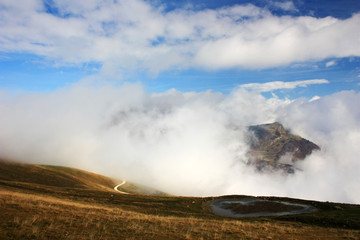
(184, 143)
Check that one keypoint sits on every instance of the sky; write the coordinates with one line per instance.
(161, 92)
(187, 45)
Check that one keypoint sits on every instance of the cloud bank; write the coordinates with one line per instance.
(138, 35)
(184, 143)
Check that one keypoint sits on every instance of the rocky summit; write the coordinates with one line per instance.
(272, 147)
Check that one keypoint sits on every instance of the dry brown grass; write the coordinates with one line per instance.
(30, 216)
(44, 202)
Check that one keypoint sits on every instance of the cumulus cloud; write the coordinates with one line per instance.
(136, 35)
(276, 85)
(185, 143)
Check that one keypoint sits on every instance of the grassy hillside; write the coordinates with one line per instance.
(47, 202)
(52, 176)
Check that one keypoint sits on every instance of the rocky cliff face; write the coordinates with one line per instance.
(274, 148)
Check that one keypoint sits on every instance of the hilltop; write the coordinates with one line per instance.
(44, 176)
(52, 202)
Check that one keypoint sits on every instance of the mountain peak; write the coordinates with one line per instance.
(274, 147)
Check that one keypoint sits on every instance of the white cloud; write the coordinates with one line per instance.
(275, 85)
(184, 143)
(314, 98)
(134, 35)
(330, 63)
(286, 6)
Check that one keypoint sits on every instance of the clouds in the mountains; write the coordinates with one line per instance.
(181, 142)
(137, 35)
(184, 143)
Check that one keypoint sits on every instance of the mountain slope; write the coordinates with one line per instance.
(273, 147)
(53, 176)
(45, 202)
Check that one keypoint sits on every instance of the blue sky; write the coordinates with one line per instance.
(187, 45)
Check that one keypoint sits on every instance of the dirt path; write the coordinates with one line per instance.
(119, 185)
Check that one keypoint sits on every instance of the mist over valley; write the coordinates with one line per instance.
(191, 143)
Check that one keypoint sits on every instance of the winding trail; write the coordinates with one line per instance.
(119, 185)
